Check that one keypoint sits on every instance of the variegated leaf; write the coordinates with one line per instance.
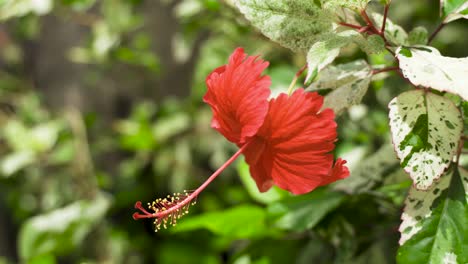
(435, 222)
(451, 10)
(423, 65)
(426, 129)
(349, 83)
(295, 24)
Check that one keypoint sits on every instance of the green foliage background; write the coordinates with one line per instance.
(100, 106)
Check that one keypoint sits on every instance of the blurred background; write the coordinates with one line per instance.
(101, 106)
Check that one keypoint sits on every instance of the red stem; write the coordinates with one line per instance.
(382, 30)
(385, 70)
(350, 25)
(192, 196)
(369, 22)
(434, 34)
(301, 70)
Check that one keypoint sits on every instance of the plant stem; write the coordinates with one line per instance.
(436, 31)
(296, 76)
(370, 23)
(375, 71)
(382, 30)
(350, 25)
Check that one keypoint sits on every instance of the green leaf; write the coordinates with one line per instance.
(425, 129)
(295, 24)
(244, 221)
(300, 213)
(435, 222)
(417, 36)
(61, 230)
(451, 10)
(393, 32)
(40, 138)
(370, 171)
(272, 195)
(426, 67)
(349, 83)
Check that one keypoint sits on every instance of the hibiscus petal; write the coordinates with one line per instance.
(297, 140)
(238, 96)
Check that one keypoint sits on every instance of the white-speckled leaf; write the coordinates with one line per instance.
(434, 224)
(349, 83)
(295, 24)
(356, 5)
(393, 32)
(423, 65)
(451, 10)
(426, 129)
(324, 52)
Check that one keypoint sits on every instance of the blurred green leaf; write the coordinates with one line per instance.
(418, 36)
(37, 139)
(61, 230)
(370, 171)
(244, 221)
(269, 251)
(15, 161)
(169, 126)
(170, 253)
(15, 8)
(303, 212)
(79, 5)
(272, 195)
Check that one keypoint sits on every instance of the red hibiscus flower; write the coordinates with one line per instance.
(287, 141)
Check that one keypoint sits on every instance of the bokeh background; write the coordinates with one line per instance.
(101, 106)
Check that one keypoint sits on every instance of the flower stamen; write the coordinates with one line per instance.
(166, 211)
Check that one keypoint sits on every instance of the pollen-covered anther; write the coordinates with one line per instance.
(166, 211)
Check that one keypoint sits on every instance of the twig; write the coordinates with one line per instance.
(375, 71)
(359, 27)
(436, 31)
(369, 22)
(296, 76)
(382, 30)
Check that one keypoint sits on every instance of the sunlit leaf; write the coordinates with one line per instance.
(423, 65)
(295, 24)
(15, 8)
(451, 10)
(435, 222)
(349, 83)
(425, 129)
(303, 212)
(15, 161)
(61, 230)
